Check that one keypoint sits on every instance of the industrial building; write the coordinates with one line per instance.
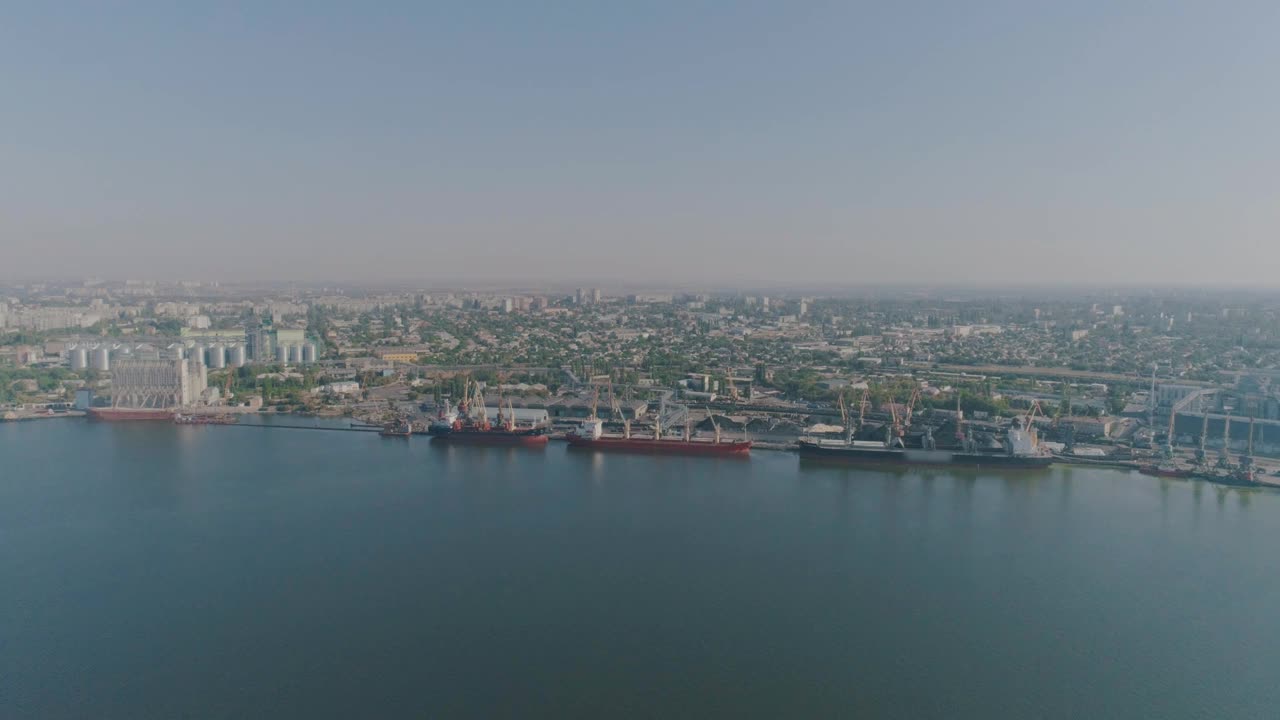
(282, 345)
(1170, 394)
(155, 382)
(1235, 431)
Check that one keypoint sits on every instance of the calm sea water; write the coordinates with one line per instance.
(152, 571)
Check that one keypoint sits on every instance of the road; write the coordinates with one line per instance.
(1049, 372)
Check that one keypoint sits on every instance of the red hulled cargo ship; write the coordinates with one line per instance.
(130, 414)
(590, 436)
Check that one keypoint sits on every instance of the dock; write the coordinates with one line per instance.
(335, 428)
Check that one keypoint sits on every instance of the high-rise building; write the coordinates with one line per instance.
(258, 344)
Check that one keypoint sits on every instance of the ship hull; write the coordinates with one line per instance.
(130, 415)
(493, 438)
(1155, 471)
(649, 446)
(1232, 479)
(905, 458)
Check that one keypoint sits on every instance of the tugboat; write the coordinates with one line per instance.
(197, 419)
(401, 428)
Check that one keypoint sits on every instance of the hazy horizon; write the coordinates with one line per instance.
(727, 144)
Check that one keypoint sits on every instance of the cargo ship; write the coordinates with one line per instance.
(1020, 450)
(590, 435)
(445, 418)
(1235, 476)
(472, 427)
(115, 414)
(1166, 471)
(484, 434)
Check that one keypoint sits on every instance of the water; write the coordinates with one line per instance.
(152, 571)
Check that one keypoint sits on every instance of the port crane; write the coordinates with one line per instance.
(714, 424)
(669, 415)
(1224, 455)
(475, 409)
(959, 421)
(894, 432)
(911, 407)
(1246, 460)
(1167, 450)
(618, 414)
(1202, 456)
(844, 418)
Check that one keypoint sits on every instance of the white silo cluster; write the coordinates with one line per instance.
(101, 356)
(297, 354)
(89, 356)
(217, 357)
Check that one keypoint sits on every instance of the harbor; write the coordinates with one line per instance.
(376, 559)
(1265, 476)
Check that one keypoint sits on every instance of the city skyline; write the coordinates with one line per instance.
(722, 145)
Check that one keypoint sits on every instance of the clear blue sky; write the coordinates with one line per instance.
(982, 141)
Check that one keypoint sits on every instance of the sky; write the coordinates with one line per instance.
(980, 142)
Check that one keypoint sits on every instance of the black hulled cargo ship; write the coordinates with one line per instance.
(878, 454)
(1019, 449)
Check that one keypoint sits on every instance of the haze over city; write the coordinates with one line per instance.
(975, 143)
(702, 359)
